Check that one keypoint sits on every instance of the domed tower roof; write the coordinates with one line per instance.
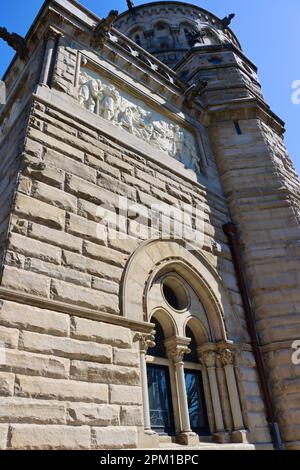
(167, 29)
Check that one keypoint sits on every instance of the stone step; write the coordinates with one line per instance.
(206, 446)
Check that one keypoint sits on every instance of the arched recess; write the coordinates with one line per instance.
(158, 256)
(166, 322)
(198, 329)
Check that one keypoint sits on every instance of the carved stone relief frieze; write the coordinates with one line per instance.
(99, 96)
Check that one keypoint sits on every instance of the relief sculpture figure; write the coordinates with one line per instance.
(107, 101)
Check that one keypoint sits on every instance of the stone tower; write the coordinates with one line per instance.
(149, 230)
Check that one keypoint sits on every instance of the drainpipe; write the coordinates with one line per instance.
(231, 231)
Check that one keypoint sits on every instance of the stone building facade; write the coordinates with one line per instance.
(124, 320)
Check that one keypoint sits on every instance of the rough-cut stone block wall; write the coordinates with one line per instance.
(88, 371)
(263, 193)
(10, 158)
(67, 382)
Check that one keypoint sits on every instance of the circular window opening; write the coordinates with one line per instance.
(175, 293)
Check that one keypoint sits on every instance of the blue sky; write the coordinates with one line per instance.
(267, 30)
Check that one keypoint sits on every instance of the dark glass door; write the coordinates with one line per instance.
(196, 402)
(161, 411)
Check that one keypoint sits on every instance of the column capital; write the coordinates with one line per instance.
(146, 340)
(177, 347)
(226, 357)
(52, 33)
(209, 358)
(178, 353)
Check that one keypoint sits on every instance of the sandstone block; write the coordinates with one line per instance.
(33, 148)
(3, 436)
(114, 438)
(55, 144)
(126, 245)
(105, 286)
(93, 415)
(25, 281)
(7, 382)
(32, 318)
(125, 395)
(131, 416)
(35, 364)
(104, 373)
(119, 163)
(89, 210)
(25, 185)
(59, 272)
(48, 175)
(101, 332)
(55, 197)
(148, 178)
(70, 166)
(74, 141)
(92, 266)
(39, 211)
(81, 227)
(105, 254)
(23, 410)
(125, 357)
(34, 248)
(66, 347)
(100, 165)
(91, 192)
(136, 183)
(55, 437)
(55, 237)
(85, 297)
(9, 337)
(57, 389)
(107, 182)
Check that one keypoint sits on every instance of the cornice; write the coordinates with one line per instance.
(73, 310)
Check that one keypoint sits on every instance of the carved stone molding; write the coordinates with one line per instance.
(209, 358)
(178, 353)
(146, 341)
(226, 357)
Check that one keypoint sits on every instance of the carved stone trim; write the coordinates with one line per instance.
(178, 353)
(146, 340)
(209, 359)
(227, 357)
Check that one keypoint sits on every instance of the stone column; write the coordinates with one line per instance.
(177, 356)
(227, 359)
(146, 341)
(149, 37)
(51, 39)
(176, 349)
(208, 358)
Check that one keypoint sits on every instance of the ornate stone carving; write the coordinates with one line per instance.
(227, 357)
(130, 5)
(178, 353)
(225, 22)
(101, 97)
(103, 29)
(146, 340)
(16, 42)
(209, 358)
(194, 91)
